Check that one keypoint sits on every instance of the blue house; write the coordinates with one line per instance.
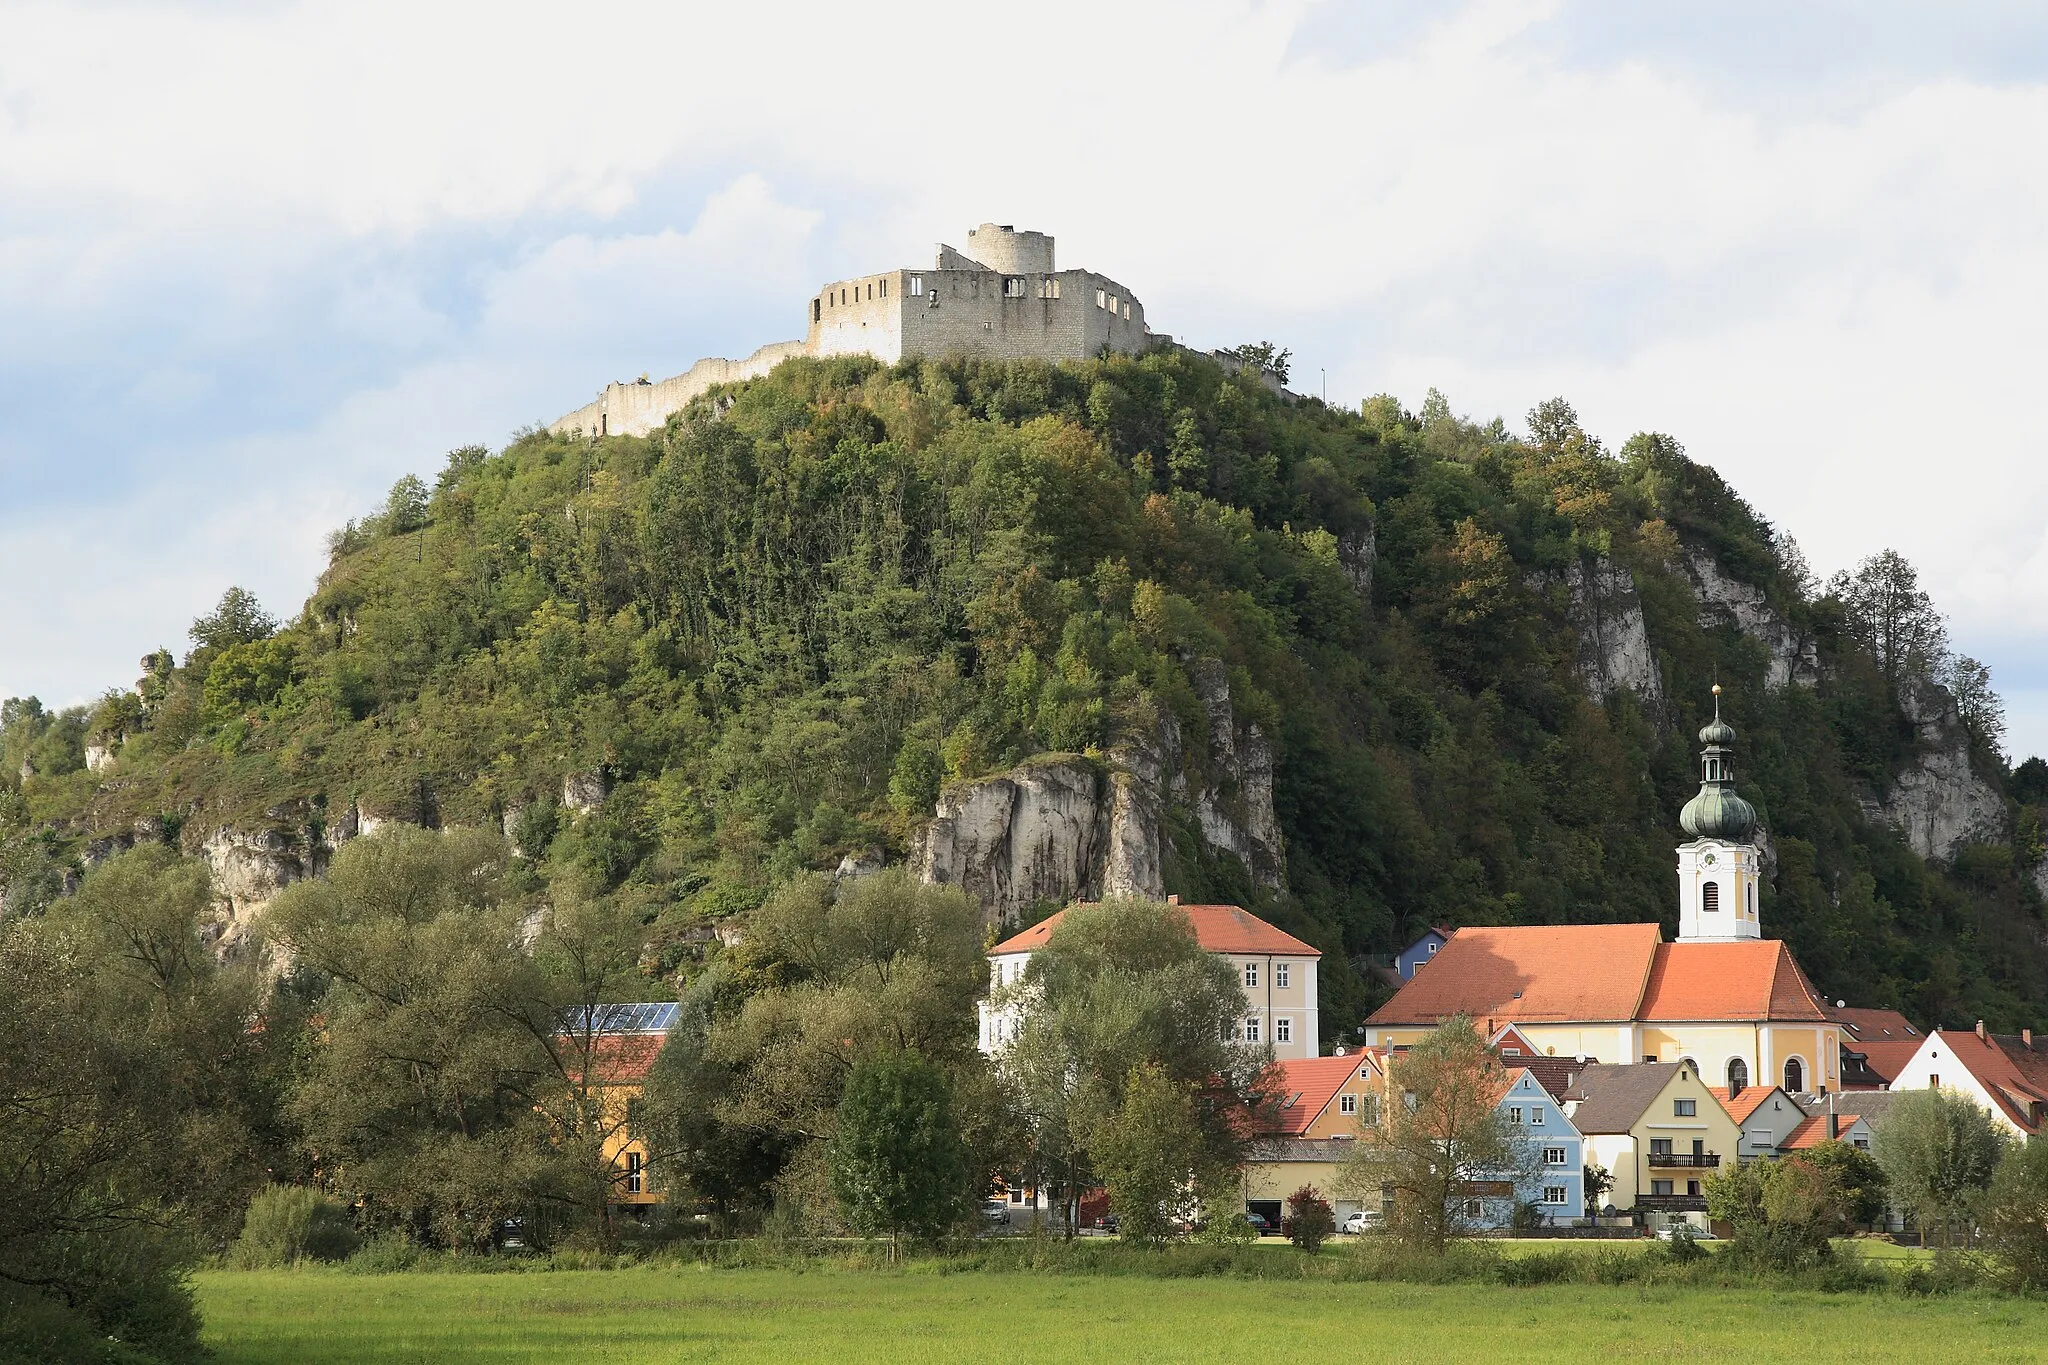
(1422, 950)
(1552, 1165)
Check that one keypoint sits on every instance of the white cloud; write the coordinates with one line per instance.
(327, 241)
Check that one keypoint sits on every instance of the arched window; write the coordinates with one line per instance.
(1795, 1075)
(1738, 1076)
(1710, 897)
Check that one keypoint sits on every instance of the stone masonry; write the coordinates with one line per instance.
(1001, 297)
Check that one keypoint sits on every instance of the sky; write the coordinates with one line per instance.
(259, 260)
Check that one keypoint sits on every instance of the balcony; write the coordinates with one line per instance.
(1692, 1161)
(1671, 1203)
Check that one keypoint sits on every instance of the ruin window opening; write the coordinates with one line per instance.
(916, 285)
(1013, 286)
(1101, 299)
(817, 309)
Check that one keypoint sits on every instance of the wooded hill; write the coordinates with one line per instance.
(680, 669)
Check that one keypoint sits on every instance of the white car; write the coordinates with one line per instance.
(1363, 1220)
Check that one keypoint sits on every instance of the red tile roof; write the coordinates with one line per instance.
(1875, 1026)
(1564, 972)
(2013, 1071)
(1810, 1133)
(1752, 980)
(1742, 1106)
(622, 1058)
(1889, 1057)
(1218, 928)
(1305, 1086)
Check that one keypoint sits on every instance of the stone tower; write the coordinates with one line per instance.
(1718, 870)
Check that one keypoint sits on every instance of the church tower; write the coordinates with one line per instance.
(1718, 870)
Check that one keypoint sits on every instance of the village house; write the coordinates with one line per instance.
(623, 1041)
(1276, 971)
(1321, 1107)
(2007, 1073)
(1658, 1131)
(1766, 1115)
(1549, 1178)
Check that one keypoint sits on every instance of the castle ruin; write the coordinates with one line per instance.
(1001, 297)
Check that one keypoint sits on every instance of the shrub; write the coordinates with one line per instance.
(2015, 1222)
(1308, 1221)
(389, 1253)
(290, 1223)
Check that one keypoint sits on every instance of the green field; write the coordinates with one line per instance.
(674, 1314)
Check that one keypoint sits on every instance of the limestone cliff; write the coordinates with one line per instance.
(1062, 826)
(1725, 601)
(1614, 644)
(1938, 802)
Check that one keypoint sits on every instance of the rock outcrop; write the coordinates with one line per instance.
(585, 791)
(1938, 802)
(1614, 644)
(1725, 601)
(1063, 826)
(1357, 553)
(250, 868)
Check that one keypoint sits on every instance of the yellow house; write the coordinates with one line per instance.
(1722, 999)
(1658, 1130)
(1319, 1106)
(622, 1044)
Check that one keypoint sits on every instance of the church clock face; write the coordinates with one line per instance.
(1709, 860)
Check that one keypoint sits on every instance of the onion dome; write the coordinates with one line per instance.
(1716, 812)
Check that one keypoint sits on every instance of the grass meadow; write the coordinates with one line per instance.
(670, 1312)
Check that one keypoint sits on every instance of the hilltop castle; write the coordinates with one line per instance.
(1002, 297)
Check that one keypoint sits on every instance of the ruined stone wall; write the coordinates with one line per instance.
(637, 408)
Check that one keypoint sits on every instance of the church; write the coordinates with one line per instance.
(1722, 997)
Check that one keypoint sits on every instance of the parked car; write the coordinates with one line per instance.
(1363, 1220)
(996, 1213)
(1109, 1222)
(1697, 1234)
(1258, 1222)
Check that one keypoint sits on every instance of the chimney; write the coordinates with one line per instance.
(2027, 1037)
(1175, 900)
(1980, 1030)
(1834, 1125)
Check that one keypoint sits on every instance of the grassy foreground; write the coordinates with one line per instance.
(670, 1313)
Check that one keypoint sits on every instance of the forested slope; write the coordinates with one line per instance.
(681, 669)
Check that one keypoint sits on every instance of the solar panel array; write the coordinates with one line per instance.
(651, 1016)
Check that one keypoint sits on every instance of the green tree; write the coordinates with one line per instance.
(90, 1242)
(1118, 986)
(1781, 1212)
(427, 1099)
(405, 509)
(2015, 1218)
(1939, 1150)
(238, 619)
(1890, 614)
(1858, 1177)
(1150, 1153)
(899, 1164)
(1440, 1132)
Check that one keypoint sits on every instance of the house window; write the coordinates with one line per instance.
(1710, 897)
(1347, 1104)
(1282, 975)
(1432, 949)
(1692, 1188)
(916, 285)
(1251, 1030)
(1934, 1080)
(633, 1179)
(1251, 975)
(1369, 1112)
(1795, 1075)
(1283, 1030)
(1738, 1076)
(1554, 1156)
(1511, 1052)
(1685, 1109)
(1017, 1195)
(1660, 1146)
(1553, 1194)
(1862, 1144)
(1515, 1114)
(1760, 1137)
(632, 1118)
(1472, 1208)
(1660, 1187)
(1536, 1117)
